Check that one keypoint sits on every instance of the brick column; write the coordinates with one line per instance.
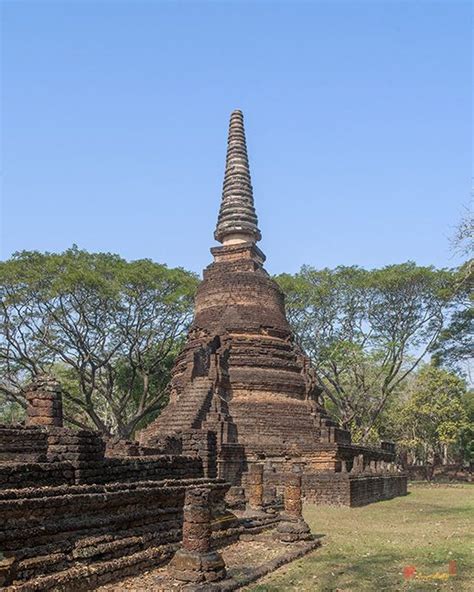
(293, 527)
(195, 562)
(254, 487)
(292, 500)
(45, 405)
(358, 464)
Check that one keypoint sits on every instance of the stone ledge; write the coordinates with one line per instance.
(88, 577)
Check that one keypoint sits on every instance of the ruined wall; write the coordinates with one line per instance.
(72, 517)
(152, 468)
(20, 444)
(202, 444)
(367, 489)
(125, 470)
(231, 462)
(119, 448)
(41, 456)
(366, 480)
(344, 489)
(102, 531)
(331, 489)
(19, 475)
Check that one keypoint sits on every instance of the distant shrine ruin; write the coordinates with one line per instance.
(242, 441)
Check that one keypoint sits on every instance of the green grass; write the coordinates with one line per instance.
(366, 549)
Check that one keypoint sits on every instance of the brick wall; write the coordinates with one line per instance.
(51, 529)
(148, 468)
(111, 470)
(19, 475)
(202, 444)
(367, 489)
(18, 443)
(344, 489)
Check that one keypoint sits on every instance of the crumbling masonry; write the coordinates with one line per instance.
(244, 431)
(242, 375)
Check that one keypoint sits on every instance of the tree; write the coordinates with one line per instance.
(465, 443)
(10, 412)
(462, 241)
(109, 329)
(454, 349)
(431, 415)
(366, 331)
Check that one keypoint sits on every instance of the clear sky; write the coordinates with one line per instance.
(358, 120)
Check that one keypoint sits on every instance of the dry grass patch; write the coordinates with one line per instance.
(366, 549)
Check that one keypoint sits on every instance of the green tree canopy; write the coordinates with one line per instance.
(107, 327)
(455, 347)
(431, 415)
(366, 331)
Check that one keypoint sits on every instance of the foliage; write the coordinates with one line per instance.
(10, 411)
(366, 331)
(462, 241)
(107, 327)
(432, 415)
(464, 446)
(455, 344)
(454, 349)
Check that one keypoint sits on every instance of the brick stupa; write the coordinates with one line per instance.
(241, 372)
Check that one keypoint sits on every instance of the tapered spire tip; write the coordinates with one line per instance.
(237, 221)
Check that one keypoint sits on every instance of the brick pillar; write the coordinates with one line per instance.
(358, 464)
(293, 527)
(195, 562)
(293, 503)
(45, 405)
(255, 487)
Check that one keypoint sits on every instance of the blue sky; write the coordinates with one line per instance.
(358, 120)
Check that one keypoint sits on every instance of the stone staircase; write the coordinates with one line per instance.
(186, 412)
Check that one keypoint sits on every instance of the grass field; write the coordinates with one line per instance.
(366, 549)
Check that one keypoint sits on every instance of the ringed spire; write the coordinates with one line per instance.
(237, 221)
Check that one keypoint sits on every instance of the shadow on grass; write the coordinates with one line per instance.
(459, 511)
(328, 573)
(371, 572)
(375, 573)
